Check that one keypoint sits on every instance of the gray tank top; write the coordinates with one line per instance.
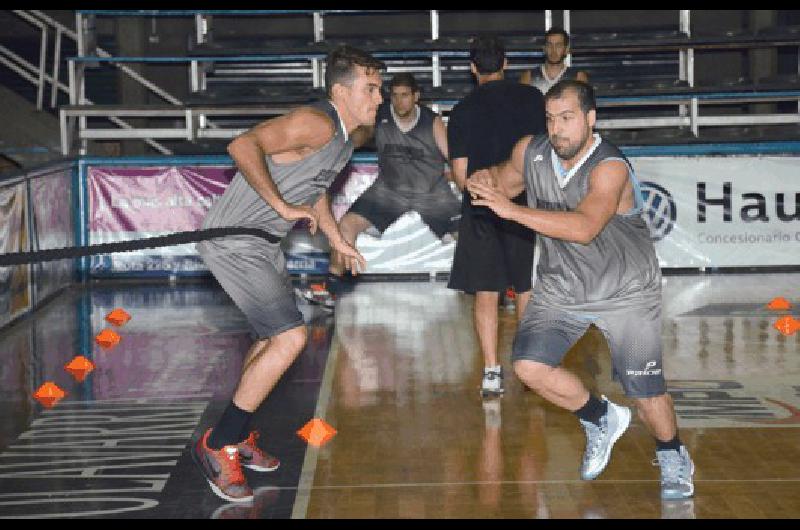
(540, 81)
(410, 161)
(301, 182)
(618, 268)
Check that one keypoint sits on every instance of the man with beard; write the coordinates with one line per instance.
(598, 266)
(554, 69)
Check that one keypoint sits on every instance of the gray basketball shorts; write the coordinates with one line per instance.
(254, 275)
(545, 334)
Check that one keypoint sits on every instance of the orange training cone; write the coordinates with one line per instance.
(316, 432)
(79, 367)
(118, 317)
(787, 325)
(778, 304)
(107, 338)
(49, 394)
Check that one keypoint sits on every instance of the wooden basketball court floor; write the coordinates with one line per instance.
(397, 372)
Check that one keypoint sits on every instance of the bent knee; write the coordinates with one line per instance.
(295, 338)
(532, 373)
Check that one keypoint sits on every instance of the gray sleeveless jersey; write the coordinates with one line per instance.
(540, 81)
(618, 269)
(411, 161)
(301, 182)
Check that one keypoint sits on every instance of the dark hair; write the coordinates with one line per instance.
(556, 30)
(584, 91)
(340, 65)
(487, 53)
(404, 79)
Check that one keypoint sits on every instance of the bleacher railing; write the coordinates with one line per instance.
(193, 121)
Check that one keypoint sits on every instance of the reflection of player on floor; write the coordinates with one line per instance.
(286, 165)
(411, 141)
(598, 266)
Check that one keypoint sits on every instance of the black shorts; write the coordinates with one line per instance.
(492, 254)
(440, 209)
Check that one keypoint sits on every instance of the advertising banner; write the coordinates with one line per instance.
(137, 202)
(703, 211)
(732, 211)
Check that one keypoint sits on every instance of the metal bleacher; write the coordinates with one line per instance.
(645, 80)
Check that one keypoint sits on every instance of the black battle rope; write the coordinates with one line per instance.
(178, 238)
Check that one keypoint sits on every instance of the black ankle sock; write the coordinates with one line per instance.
(592, 410)
(229, 429)
(674, 444)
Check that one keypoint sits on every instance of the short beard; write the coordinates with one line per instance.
(567, 154)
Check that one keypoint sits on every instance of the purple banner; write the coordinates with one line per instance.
(136, 202)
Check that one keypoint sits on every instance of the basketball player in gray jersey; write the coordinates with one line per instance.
(411, 141)
(554, 68)
(598, 266)
(286, 165)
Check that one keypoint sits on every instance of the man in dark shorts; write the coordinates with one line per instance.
(286, 165)
(491, 254)
(598, 266)
(411, 141)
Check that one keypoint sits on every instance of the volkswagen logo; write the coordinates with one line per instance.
(659, 210)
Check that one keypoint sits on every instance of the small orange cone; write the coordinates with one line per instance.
(787, 325)
(779, 304)
(118, 317)
(49, 394)
(79, 367)
(316, 432)
(107, 338)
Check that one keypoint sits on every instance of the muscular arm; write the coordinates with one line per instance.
(287, 138)
(351, 258)
(327, 223)
(607, 183)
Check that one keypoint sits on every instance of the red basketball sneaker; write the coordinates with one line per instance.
(223, 470)
(254, 458)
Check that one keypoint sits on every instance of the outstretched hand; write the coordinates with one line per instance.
(491, 197)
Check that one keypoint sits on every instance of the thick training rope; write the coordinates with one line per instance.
(178, 238)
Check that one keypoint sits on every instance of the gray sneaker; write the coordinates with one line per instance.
(600, 439)
(677, 469)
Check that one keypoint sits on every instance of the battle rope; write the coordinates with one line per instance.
(178, 238)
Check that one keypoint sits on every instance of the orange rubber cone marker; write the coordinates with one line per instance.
(79, 368)
(316, 432)
(118, 317)
(779, 304)
(787, 325)
(107, 338)
(49, 394)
